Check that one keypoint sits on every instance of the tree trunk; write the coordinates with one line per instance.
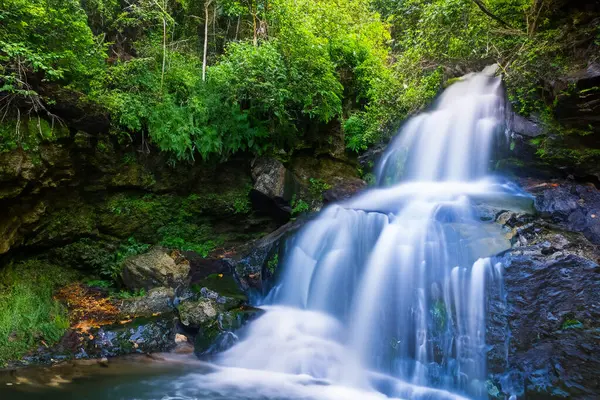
(206, 5)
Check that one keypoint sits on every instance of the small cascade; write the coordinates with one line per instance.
(386, 292)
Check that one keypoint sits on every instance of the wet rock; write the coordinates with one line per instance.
(220, 335)
(204, 307)
(156, 268)
(369, 158)
(545, 340)
(194, 314)
(528, 127)
(250, 263)
(156, 301)
(142, 335)
(579, 108)
(574, 206)
(343, 190)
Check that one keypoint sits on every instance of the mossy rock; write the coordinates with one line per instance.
(224, 285)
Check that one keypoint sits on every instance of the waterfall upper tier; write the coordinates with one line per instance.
(452, 141)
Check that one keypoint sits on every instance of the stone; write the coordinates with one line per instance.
(269, 177)
(250, 263)
(156, 268)
(219, 335)
(528, 127)
(196, 313)
(142, 335)
(343, 190)
(574, 206)
(157, 301)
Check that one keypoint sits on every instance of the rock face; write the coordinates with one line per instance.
(572, 205)
(156, 268)
(257, 262)
(567, 143)
(545, 337)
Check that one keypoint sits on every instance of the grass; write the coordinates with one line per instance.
(29, 314)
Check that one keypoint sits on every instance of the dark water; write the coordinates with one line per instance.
(139, 377)
(168, 377)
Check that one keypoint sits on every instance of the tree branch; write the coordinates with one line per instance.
(487, 12)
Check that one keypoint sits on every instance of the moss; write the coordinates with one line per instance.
(273, 263)
(28, 133)
(452, 81)
(234, 200)
(224, 285)
(206, 337)
(88, 254)
(29, 315)
(439, 315)
(571, 324)
(75, 220)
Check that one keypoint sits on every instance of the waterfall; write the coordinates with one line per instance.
(386, 292)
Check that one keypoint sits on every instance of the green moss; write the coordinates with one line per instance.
(225, 285)
(88, 254)
(317, 187)
(234, 200)
(439, 315)
(571, 324)
(75, 220)
(29, 133)
(273, 263)
(452, 81)
(29, 315)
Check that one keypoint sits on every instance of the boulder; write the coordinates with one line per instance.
(343, 190)
(142, 335)
(196, 313)
(574, 206)
(219, 335)
(273, 187)
(157, 301)
(269, 177)
(528, 127)
(156, 268)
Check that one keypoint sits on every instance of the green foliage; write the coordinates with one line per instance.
(29, 315)
(131, 247)
(125, 294)
(439, 315)
(27, 133)
(273, 263)
(86, 254)
(299, 206)
(189, 237)
(571, 324)
(317, 187)
(99, 283)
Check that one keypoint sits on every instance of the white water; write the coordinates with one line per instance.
(385, 294)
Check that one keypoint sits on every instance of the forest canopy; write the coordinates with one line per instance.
(211, 78)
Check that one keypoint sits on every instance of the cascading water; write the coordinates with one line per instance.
(385, 293)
